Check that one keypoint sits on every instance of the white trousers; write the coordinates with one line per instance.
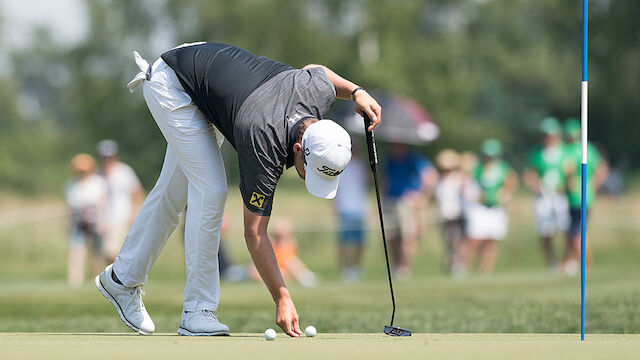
(486, 223)
(552, 214)
(192, 176)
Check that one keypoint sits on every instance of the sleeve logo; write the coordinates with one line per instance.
(294, 119)
(257, 199)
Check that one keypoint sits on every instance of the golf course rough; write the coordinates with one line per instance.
(323, 346)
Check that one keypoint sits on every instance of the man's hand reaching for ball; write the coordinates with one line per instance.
(287, 317)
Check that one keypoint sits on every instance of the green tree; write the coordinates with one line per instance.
(481, 68)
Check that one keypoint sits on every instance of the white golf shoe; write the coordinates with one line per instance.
(127, 301)
(201, 323)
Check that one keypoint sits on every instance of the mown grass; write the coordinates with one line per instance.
(522, 296)
(531, 302)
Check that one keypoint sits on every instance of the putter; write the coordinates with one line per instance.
(373, 161)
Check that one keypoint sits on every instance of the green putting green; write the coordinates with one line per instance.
(323, 346)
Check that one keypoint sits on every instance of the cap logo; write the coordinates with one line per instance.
(257, 199)
(305, 153)
(329, 171)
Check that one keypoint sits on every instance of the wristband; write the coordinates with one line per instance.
(353, 93)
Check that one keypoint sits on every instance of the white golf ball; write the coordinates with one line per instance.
(310, 331)
(269, 334)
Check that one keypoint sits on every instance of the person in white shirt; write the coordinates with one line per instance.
(450, 197)
(351, 207)
(86, 196)
(125, 198)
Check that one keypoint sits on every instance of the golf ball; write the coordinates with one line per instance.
(270, 334)
(310, 331)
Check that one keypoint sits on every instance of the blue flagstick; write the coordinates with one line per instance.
(583, 127)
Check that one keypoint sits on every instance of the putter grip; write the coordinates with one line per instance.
(371, 143)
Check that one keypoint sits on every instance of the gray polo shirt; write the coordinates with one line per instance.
(266, 126)
(257, 104)
(219, 78)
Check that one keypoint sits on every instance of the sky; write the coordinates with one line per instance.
(65, 19)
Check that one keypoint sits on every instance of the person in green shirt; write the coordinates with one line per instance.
(545, 176)
(597, 172)
(487, 219)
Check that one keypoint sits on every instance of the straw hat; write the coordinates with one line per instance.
(83, 163)
(448, 159)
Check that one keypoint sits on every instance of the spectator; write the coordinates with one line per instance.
(410, 180)
(487, 219)
(545, 176)
(351, 208)
(86, 197)
(449, 194)
(285, 248)
(468, 163)
(228, 270)
(597, 172)
(224, 262)
(125, 198)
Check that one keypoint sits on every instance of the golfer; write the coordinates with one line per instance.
(271, 113)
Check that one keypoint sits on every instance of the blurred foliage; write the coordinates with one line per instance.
(481, 68)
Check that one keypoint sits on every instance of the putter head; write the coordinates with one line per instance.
(396, 331)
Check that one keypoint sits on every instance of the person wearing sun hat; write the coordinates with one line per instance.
(272, 114)
(487, 219)
(86, 196)
(449, 194)
(544, 175)
(597, 172)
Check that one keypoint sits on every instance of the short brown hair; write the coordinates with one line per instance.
(303, 126)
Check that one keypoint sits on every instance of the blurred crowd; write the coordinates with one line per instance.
(285, 248)
(470, 192)
(103, 201)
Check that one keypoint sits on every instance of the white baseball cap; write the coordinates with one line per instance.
(327, 150)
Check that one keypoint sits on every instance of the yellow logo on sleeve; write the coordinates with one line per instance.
(257, 199)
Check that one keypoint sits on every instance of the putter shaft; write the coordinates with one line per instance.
(373, 161)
